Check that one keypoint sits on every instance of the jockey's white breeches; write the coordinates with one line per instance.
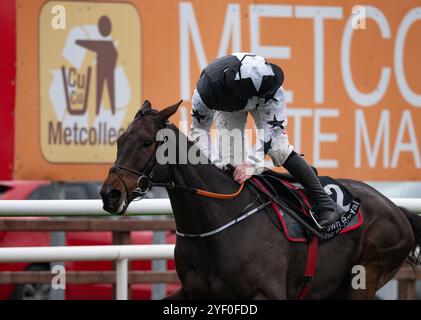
(232, 138)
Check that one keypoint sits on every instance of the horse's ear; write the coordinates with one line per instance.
(145, 106)
(163, 115)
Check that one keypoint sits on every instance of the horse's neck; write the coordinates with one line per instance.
(197, 214)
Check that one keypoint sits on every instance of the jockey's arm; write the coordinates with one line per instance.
(202, 118)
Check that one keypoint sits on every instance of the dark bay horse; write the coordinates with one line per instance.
(253, 259)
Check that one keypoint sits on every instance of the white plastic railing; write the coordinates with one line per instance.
(29, 208)
(121, 254)
(408, 203)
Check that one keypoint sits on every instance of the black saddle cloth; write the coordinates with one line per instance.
(285, 187)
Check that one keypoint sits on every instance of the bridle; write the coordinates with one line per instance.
(144, 181)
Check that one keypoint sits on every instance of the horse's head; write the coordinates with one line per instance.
(131, 174)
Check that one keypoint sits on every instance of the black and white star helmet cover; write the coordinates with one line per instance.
(251, 75)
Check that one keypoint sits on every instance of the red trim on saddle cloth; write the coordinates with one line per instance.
(300, 193)
(281, 219)
(305, 200)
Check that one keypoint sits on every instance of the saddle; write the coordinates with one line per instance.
(293, 209)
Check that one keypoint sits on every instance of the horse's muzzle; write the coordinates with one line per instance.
(111, 199)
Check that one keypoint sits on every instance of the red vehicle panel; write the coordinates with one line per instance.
(7, 85)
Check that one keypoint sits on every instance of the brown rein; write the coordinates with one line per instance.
(170, 185)
(220, 195)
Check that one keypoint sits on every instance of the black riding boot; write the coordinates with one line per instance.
(326, 209)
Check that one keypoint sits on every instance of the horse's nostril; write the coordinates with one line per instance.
(110, 194)
(114, 194)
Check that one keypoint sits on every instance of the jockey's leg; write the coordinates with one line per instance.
(231, 144)
(326, 209)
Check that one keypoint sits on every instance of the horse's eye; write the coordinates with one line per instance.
(147, 143)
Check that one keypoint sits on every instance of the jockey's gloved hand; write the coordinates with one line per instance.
(243, 171)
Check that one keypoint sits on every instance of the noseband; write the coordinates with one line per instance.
(144, 180)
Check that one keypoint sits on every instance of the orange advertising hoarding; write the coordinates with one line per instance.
(352, 76)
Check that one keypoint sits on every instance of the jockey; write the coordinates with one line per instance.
(228, 89)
